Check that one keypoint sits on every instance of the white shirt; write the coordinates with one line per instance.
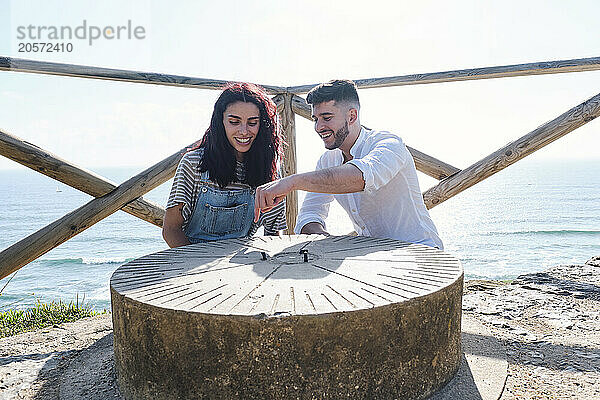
(391, 204)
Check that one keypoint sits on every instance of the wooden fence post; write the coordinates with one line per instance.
(288, 125)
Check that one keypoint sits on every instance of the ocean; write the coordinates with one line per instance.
(530, 216)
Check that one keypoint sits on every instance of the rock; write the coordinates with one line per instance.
(570, 281)
(536, 354)
(594, 261)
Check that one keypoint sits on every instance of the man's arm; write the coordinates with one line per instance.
(345, 178)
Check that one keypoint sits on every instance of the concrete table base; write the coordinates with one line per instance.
(290, 317)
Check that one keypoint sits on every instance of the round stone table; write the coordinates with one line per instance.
(304, 316)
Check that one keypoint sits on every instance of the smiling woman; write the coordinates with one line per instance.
(212, 197)
(242, 122)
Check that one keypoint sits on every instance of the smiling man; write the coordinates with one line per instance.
(369, 172)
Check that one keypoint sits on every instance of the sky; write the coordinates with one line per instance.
(95, 123)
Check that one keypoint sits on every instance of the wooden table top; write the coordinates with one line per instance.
(288, 275)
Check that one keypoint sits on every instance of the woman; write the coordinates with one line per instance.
(212, 197)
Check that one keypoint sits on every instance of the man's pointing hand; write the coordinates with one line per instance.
(270, 194)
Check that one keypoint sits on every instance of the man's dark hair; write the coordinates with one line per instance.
(340, 90)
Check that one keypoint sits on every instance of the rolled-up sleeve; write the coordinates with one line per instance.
(315, 207)
(382, 163)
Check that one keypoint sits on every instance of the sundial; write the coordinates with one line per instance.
(292, 316)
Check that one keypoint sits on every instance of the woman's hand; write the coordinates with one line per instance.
(172, 230)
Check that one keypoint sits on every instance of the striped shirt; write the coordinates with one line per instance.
(186, 187)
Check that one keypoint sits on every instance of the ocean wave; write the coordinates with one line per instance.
(87, 260)
(546, 232)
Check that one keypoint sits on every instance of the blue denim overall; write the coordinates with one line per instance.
(220, 213)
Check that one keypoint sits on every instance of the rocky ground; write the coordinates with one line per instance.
(549, 323)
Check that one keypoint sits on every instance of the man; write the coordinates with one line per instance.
(370, 173)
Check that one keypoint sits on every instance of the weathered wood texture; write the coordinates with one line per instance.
(278, 100)
(288, 125)
(425, 163)
(84, 71)
(88, 182)
(431, 166)
(537, 68)
(301, 108)
(513, 152)
(61, 230)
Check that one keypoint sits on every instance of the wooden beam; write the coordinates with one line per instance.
(50, 165)
(61, 230)
(513, 152)
(278, 100)
(288, 125)
(503, 71)
(432, 166)
(301, 108)
(425, 163)
(84, 71)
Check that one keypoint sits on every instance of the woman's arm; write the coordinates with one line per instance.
(172, 230)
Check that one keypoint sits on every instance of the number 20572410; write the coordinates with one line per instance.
(41, 47)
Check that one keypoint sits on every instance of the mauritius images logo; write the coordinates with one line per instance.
(51, 35)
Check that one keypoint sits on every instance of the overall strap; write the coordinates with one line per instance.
(205, 177)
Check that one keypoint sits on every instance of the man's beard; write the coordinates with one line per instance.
(339, 136)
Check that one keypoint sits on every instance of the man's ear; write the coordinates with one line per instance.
(353, 115)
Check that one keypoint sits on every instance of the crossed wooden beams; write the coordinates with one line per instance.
(110, 198)
(454, 180)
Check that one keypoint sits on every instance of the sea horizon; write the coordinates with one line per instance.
(528, 217)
